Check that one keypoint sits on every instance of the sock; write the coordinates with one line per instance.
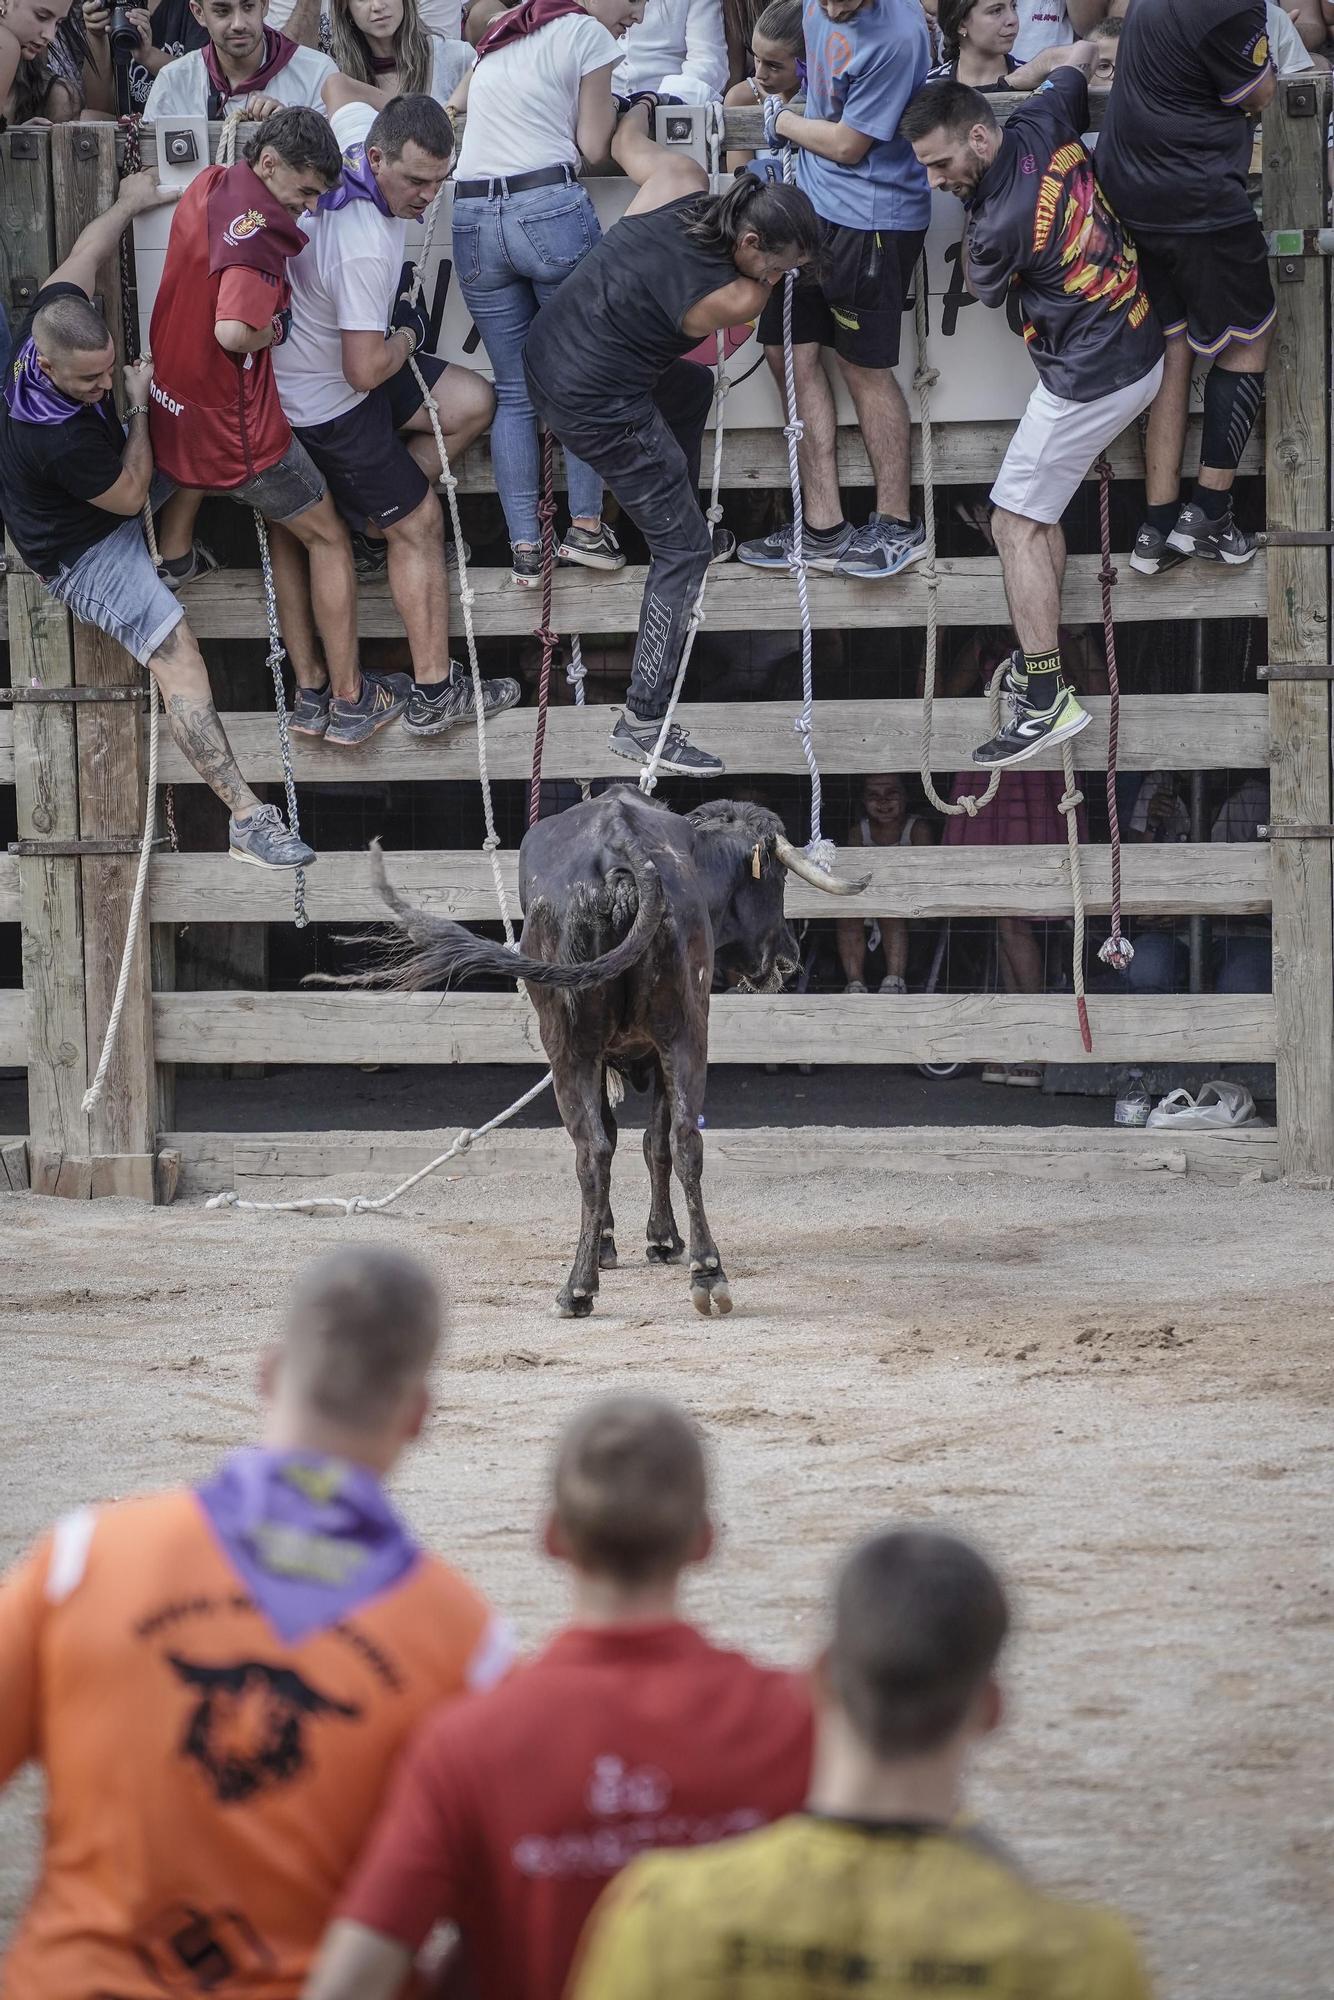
(641, 721)
(893, 521)
(1164, 516)
(822, 535)
(1044, 679)
(1210, 501)
(1231, 405)
(178, 565)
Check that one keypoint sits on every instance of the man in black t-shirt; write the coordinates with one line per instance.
(73, 485)
(1176, 143)
(1039, 223)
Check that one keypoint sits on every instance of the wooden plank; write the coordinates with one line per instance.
(26, 234)
(1297, 473)
(312, 1027)
(130, 1175)
(230, 605)
(1206, 879)
(111, 759)
(14, 1166)
(13, 1027)
(10, 901)
(1158, 733)
(61, 1174)
(251, 1162)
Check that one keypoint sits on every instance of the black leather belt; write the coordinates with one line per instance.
(540, 177)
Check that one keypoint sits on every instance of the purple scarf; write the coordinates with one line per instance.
(33, 397)
(358, 184)
(312, 1538)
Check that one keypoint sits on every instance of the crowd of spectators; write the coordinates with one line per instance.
(289, 1751)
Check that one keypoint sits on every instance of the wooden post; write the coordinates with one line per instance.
(112, 770)
(1297, 487)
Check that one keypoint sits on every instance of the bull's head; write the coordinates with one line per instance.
(747, 856)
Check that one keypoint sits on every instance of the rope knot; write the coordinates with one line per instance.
(713, 515)
(1107, 575)
(464, 1140)
(467, 595)
(968, 804)
(925, 377)
(795, 431)
(546, 638)
(1070, 802)
(491, 843)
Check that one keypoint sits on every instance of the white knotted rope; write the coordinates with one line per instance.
(93, 1095)
(576, 673)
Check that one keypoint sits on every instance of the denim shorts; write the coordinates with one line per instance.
(285, 489)
(115, 586)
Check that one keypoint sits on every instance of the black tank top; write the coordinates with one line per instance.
(596, 350)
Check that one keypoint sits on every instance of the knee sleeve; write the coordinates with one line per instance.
(1231, 405)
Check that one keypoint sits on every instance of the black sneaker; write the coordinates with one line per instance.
(591, 548)
(526, 565)
(1153, 553)
(724, 544)
(310, 711)
(199, 562)
(775, 551)
(264, 841)
(450, 704)
(1029, 731)
(382, 698)
(635, 740)
(1220, 540)
(370, 558)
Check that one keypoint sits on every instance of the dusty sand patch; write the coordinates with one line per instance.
(1129, 1401)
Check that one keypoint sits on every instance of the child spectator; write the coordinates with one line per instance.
(778, 51)
(539, 98)
(243, 62)
(676, 50)
(885, 822)
(979, 37)
(630, 1731)
(386, 43)
(1106, 40)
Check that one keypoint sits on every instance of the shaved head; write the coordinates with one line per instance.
(70, 324)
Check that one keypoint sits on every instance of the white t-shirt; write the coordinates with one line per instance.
(523, 101)
(344, 281)
(442, 17)
(1043, 24)
(1290, 54)
(679, 48)
(450, 61)
(180, 88)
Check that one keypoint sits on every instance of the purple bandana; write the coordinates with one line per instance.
(33, 397)
(358, 184)
(312, 1538)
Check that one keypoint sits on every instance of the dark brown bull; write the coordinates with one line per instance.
(628, 907)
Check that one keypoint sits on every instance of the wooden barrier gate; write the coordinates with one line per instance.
(78, 766)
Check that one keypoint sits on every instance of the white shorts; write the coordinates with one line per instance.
(1057, 441)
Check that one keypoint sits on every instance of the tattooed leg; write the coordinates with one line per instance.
(179, 670)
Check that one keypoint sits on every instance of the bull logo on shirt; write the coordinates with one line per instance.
(248, 223)
(246, 1731)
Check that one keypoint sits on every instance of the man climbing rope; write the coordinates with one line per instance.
(223, 303)
(1038, 221)
(606, 372)
(73, 485)
(354, 403)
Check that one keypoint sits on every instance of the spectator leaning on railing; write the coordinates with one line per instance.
(388, 44)
(778, 52)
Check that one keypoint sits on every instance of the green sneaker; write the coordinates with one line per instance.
(1029, 731)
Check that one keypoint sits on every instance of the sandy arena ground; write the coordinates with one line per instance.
(1123, 1387)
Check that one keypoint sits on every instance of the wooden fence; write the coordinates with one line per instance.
(78, 767)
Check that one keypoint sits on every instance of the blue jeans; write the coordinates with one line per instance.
(511, 254)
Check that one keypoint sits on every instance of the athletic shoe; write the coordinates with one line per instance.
(883, 548)
(1153, 553)
(1221, 540)
(370, 558)
(724, 544)
(450, 704)
(382, 698)
(775, 551)
(526, 565)
(310, 711)
(202, 562)
(590, 548)
(853, 986)
(892, 983)
(635, 740)
(1028, 731)
(264, 841)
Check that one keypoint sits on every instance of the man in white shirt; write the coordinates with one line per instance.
(678, 50)
(350, 396)
(245, 62)
(1047, 24)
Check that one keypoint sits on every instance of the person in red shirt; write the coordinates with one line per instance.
(216, 1680)
(223, 303)
(631, 1731)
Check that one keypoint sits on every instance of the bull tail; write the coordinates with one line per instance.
(446, 951)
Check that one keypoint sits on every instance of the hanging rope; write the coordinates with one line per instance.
(576, 673)
(1117, 951)
(1069, 803)
(546, 514)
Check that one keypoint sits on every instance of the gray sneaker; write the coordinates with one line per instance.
(1153, 553)
(382, 700)
(883, 548)
(1214, 540)
(635, 740)
(310, 711)
(451, 704)
(775, 551)
(264, 841)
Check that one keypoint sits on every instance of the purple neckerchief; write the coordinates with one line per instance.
(33, 397)
(313, 1538)
(358, 184)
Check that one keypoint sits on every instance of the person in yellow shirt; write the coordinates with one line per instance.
(880, 1889)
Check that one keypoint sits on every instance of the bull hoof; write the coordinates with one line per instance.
(666, 1250)
(710, 1293)
(574, 1305)
(607, 1252)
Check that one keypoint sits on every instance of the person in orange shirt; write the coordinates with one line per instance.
(216, 1680)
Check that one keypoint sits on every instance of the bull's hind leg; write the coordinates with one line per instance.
(664, 1238)
(607, 1226)
(581, 1109)
(709, 1290)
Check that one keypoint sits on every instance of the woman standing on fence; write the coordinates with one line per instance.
(387, 44)
(539, 98)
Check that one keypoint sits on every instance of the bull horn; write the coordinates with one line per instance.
(800, 864)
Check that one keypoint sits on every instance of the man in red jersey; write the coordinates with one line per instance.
(223, 303)
(630, 1732)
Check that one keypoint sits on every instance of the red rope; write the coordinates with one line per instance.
(1118, 950)
(546, 514)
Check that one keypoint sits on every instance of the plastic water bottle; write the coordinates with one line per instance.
(1134, 1104)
